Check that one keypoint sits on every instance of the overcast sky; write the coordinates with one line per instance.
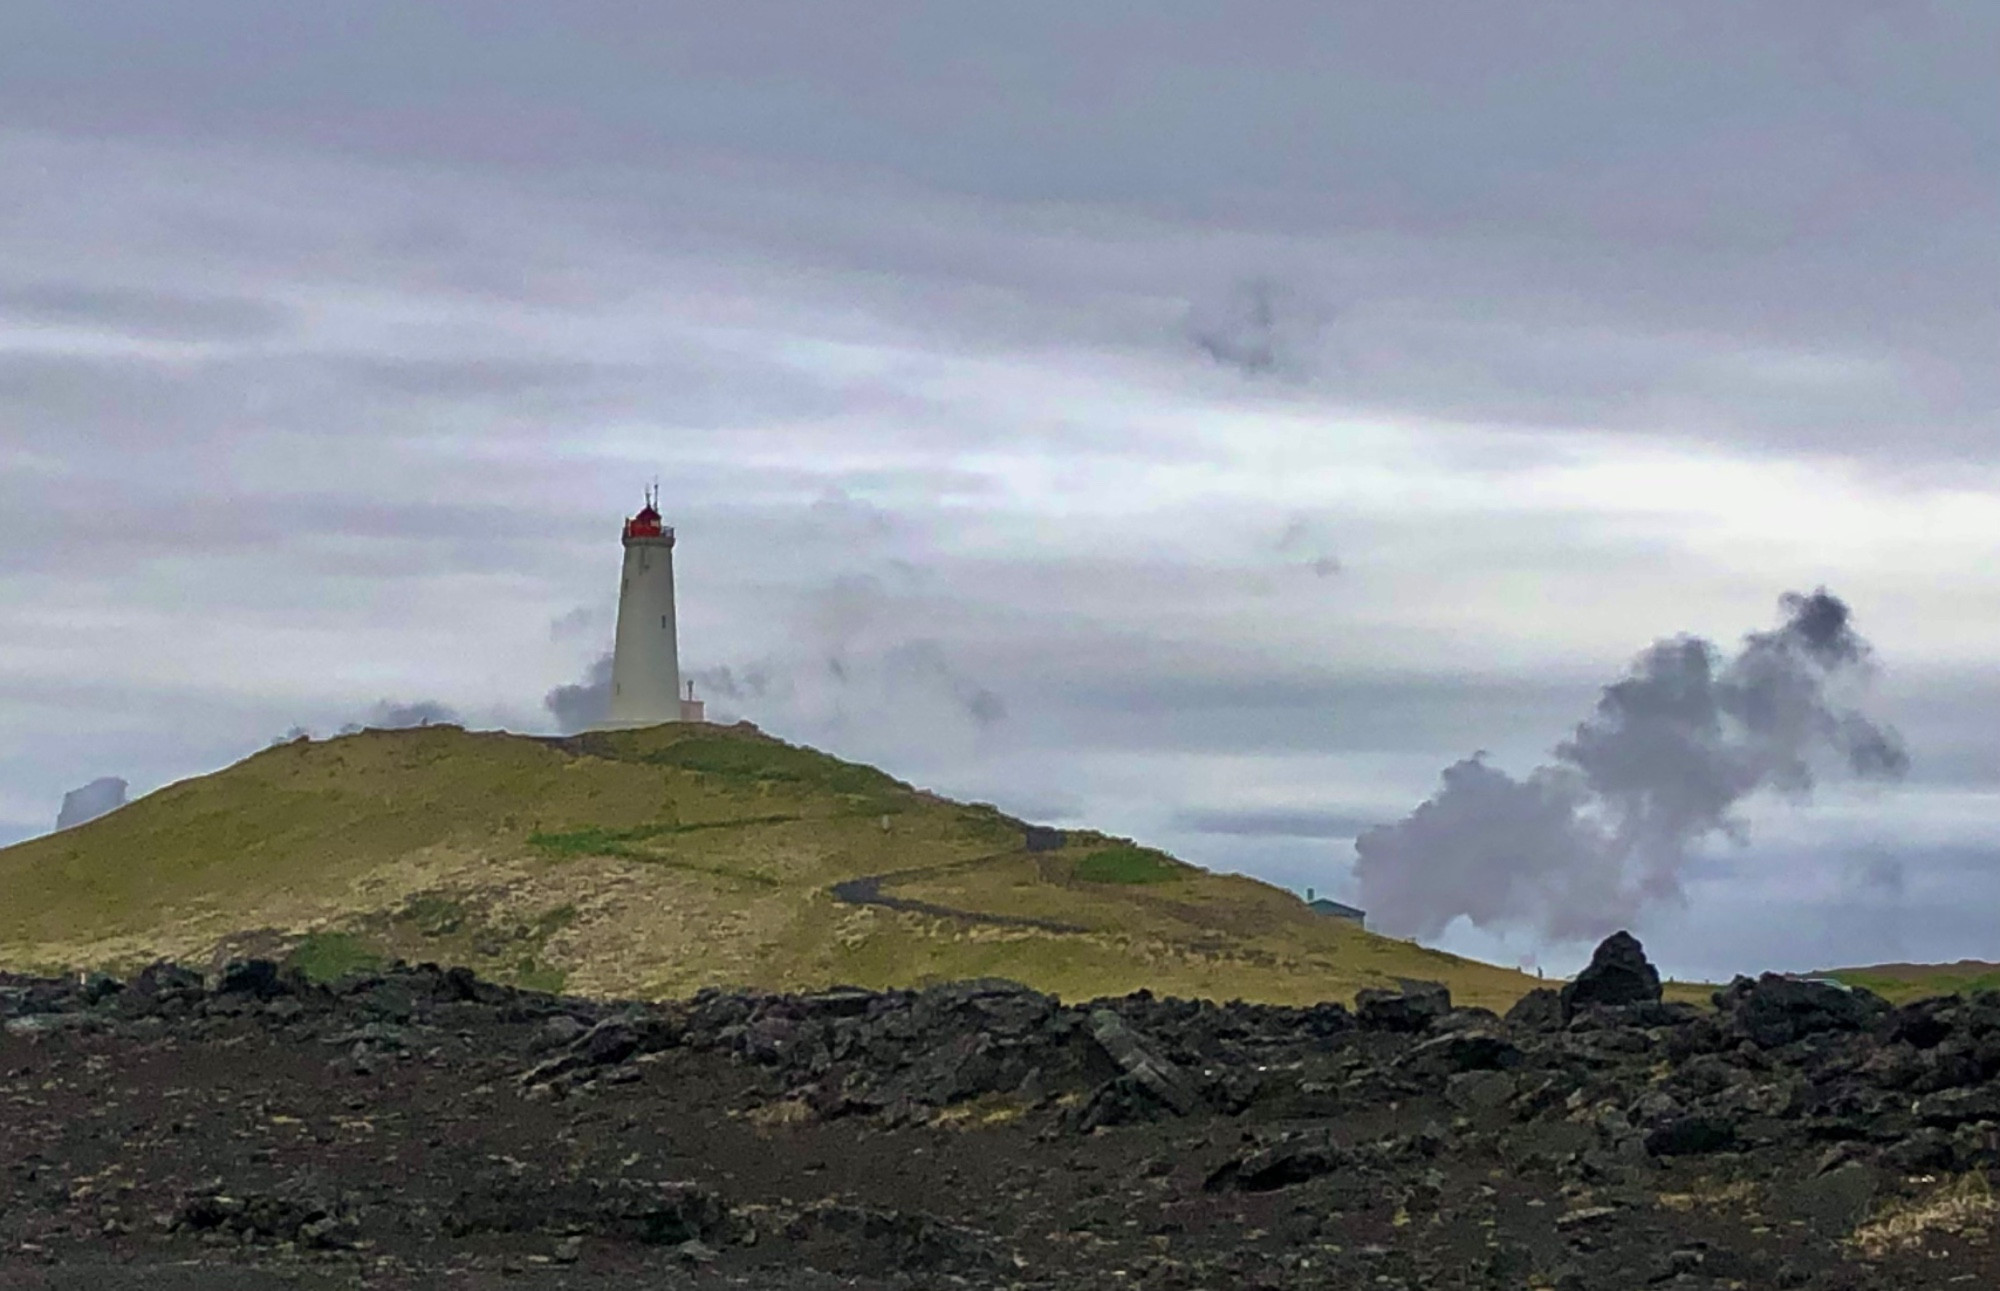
(1201, 420)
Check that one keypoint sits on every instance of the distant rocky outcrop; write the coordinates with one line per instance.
(100, 797)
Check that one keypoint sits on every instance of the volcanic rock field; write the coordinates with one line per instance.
(423, 1128)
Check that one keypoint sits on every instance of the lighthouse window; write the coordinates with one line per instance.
(663, 622)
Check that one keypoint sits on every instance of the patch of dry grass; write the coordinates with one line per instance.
(980, 1113)
(1961, 1207)
(780, 1115)
(1738, 1195)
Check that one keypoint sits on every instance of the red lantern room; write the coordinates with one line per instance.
(647, 523)
(644, 525)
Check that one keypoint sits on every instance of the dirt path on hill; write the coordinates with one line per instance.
(867, 890)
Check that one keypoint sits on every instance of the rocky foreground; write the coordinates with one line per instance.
(421, 1128)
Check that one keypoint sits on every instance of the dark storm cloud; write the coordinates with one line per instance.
(1586, 843)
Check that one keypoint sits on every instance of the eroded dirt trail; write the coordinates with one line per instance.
(867, 890)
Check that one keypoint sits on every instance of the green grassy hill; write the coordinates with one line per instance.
(1901, 983)
(653, 863)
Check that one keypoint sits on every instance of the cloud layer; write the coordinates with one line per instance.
(1202, 428)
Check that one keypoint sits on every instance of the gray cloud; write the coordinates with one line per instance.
(1586, 843)
(849, 520)
(583, 621)
(859, 627)
(740, 685)
(484, 377)
(100, 797)
(1274, 823)
(924, 663)
(1765, 246)
(141, 312)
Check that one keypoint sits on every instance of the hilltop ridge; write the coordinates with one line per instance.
(655, 862)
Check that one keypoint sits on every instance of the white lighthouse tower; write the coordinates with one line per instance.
(645, 662)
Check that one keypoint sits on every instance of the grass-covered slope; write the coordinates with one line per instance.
(1901, 983)
(656, 862)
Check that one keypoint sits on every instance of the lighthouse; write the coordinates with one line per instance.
(645, 662)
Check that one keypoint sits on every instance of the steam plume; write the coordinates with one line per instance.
(582, 704)
(1260, 327)
(1582, 844)
(848, 653)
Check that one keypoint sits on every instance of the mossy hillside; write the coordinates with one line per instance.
(329, 956)
(1127, 863)
(656, 862)
(439, 928)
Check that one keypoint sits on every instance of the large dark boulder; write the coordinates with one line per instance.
(1923, 1024)
(1618, 974)
(1461, 1051)
(1539, 1010)
(647, 1211)
(1293, 1159)
(1691, 1135)
(1775, 1010)
(259, 978)
(161, 988)
(1152, 1073)
(1412, 1006)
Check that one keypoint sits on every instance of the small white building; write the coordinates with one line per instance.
(645, 661)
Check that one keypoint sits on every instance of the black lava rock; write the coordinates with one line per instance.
(1411, 1007)
(1774, 1010)
(1619, 973)
(1539, 1010)
(254, 977)
(1691, 1135)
